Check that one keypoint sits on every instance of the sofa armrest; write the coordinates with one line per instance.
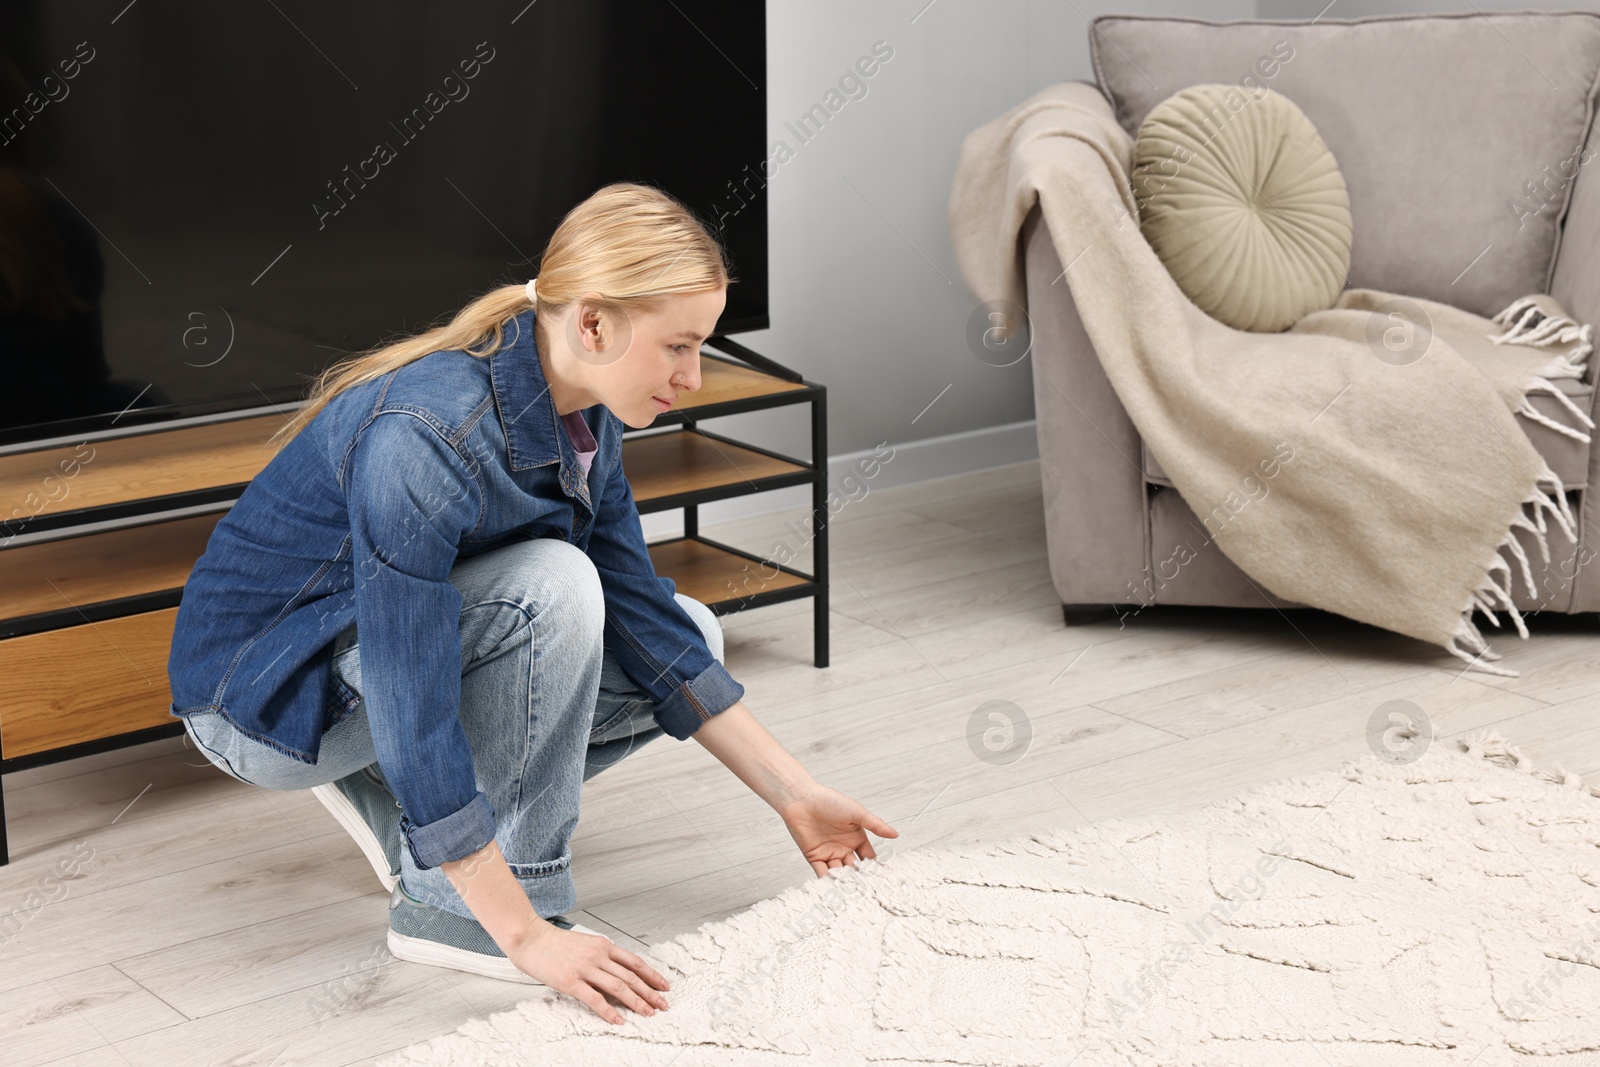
(1095, 503)
(1575, 283)
(1575, 274)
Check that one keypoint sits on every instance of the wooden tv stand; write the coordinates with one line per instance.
(104, 532)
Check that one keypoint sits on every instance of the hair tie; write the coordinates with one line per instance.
(533, 292)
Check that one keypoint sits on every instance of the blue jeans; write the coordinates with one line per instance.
(544, 705)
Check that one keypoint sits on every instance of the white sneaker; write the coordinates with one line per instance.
(369, 813)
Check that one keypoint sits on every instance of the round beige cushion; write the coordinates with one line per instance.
(1244, 204)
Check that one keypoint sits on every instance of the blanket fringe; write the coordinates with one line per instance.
(1493, 594)
(1545, 385)
(1489, 745)
(1527, 324)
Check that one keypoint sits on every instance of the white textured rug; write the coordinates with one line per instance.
(1439, 911)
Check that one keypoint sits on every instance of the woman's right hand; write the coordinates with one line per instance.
(588, 966)
(585, 966)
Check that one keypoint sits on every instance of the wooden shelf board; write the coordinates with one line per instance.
(55, 693)
(164, 463)
(144, 466)
(84, 683)
(683, 461)
(722, 380)
(114, 564)
(77, 571)
(711, 574)
(107, 565)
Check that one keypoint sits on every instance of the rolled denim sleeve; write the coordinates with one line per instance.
(411, 496)
(654, 640)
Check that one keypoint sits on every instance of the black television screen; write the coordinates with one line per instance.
(203, 204)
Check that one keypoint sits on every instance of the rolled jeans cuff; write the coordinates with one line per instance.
(453, 837)
(693, 703)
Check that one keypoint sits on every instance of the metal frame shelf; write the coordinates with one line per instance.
(797, 390)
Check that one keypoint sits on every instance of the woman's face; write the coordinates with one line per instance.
(638, 365)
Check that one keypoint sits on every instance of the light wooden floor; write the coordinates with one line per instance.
(220, 924)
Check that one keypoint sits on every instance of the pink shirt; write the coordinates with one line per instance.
(582, 440)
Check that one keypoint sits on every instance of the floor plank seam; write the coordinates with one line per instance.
(1130, 719)
(119, 961)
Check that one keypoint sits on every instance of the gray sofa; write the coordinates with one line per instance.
(1465, 143)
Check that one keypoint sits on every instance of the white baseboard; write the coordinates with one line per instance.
(914, 461)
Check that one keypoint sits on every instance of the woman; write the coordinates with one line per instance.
(435, 607)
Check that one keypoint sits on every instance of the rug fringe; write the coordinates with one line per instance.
(1490, 745)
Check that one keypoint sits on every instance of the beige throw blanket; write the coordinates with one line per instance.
(1407, 480)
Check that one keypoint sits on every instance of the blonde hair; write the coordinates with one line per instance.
(631, 244)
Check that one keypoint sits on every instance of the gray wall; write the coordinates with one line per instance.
(866, 295)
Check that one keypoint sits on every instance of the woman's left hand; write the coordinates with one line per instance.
(830, 828)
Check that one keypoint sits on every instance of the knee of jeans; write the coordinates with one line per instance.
(581, 588)
(569, 579)
(707, 620)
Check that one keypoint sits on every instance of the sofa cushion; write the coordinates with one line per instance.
(1458, 135)
(1244, 204)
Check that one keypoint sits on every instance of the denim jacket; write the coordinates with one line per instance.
(359, 518)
